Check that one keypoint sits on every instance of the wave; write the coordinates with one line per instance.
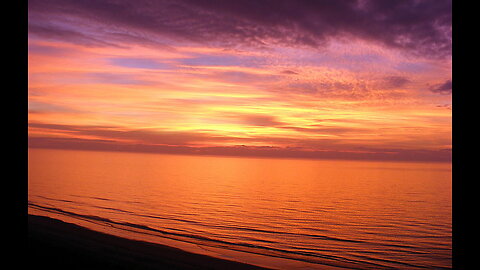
(312, 255)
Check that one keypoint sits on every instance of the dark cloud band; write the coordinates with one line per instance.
(418, 27)
(444, 88)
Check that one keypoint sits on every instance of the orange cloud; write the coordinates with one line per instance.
(347, 98)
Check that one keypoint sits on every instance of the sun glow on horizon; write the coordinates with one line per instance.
(345, 95)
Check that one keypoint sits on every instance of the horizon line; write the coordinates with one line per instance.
(277, 153)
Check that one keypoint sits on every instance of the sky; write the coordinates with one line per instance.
(266, 78)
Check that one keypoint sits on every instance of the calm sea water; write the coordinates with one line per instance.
(283, 213)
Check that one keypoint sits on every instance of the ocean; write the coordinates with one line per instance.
(279, 213)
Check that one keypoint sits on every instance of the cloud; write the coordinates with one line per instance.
(44, 107)
(110, 138)
(327, 88)
(48, 50)
(74, 36)
(66, 127)
(240, 150)
(444, 88)
(395, 81)
(241, 72)
(419, 27)
(324, 129)
(241, 77)
(260, 120)
(110, 78)
(289, 72)
(147, 136)
(446, 106)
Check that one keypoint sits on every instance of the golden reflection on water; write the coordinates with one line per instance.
(358, 210)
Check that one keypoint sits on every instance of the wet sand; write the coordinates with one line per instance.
(59, 245)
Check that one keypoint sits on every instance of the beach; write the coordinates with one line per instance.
(59, 245)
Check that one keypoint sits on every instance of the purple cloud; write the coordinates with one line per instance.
(419, 27)
(444, 88)
(54, 32)
(111, 78)
(260, 120)
(48, 50)
(110, 139)
(141, 135)
(395, 81)
(240, 150)
(289, 72)
(43, 107)
(319, 129)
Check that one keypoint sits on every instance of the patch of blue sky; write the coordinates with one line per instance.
(141, 63)
(121, 79)
(102, 78)
(223, 60)
(412, 67)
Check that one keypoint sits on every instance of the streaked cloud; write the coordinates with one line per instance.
(444, 88)
(324, 79)
(396, 81)
(420, 27)
(443, 155)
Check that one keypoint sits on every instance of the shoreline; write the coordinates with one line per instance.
(60, 245)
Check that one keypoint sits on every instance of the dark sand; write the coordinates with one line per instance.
(55, 244)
